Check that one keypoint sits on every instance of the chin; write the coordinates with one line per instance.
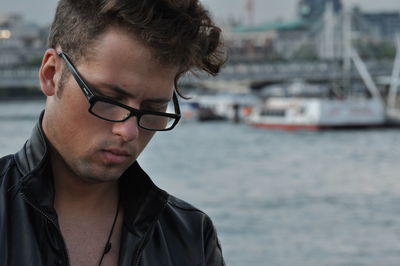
(97, 170)
(96, 175)
(97, 179)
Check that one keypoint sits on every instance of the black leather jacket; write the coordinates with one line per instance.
(158, 228)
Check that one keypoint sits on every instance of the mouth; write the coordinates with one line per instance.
(116, 156)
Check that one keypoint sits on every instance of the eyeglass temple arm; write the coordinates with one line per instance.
(76, 75)
(177, 108)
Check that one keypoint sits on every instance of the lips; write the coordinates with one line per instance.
(118, 152)
(116, 156)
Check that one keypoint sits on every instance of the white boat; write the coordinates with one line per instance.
(224, 106)
(301, 107)
(315, 113)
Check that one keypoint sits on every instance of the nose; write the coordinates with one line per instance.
(127, 130)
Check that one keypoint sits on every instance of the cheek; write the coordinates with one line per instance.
(77, 128)
(145, 137)
(86, 130)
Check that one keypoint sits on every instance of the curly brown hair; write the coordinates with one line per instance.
(178, 32)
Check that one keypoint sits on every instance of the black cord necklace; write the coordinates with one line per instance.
(108, 245)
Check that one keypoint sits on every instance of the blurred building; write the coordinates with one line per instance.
(20, 42)
(317, 33)
(313, 10)
(377, 26)
(250, 43)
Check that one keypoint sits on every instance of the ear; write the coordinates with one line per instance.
(50, 72)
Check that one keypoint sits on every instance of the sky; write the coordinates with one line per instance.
(42, 11)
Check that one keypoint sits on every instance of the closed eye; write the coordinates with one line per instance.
(155, 107)
(115, 97)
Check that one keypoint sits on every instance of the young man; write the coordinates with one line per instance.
(75, 195)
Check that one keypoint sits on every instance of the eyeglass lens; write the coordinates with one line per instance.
(117, 113)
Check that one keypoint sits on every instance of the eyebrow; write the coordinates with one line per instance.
(127, 94)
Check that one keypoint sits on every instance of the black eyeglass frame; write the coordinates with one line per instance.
(92, 98)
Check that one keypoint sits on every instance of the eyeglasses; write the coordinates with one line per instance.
(113, 111)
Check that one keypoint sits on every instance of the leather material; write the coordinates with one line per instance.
(158, 228)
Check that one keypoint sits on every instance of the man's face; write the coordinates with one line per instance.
(121, 68)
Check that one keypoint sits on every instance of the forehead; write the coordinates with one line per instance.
(118, 37)
(119, 57)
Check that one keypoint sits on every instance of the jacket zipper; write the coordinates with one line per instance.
(65, 251)
(139, 260)
(139, 255)
(140, 249)
(142, 244)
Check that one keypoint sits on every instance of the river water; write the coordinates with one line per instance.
(277, 198)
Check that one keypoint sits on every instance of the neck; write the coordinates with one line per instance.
(74, 193)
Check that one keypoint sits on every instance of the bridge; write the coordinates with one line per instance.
(19, 78)
(238, 76)
(234, 76)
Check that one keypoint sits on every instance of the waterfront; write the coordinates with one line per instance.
(277, 198)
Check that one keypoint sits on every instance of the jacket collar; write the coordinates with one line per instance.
(32, 156)
(142, 201)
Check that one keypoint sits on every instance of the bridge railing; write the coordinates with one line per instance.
(254, 72)
(19, 78)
